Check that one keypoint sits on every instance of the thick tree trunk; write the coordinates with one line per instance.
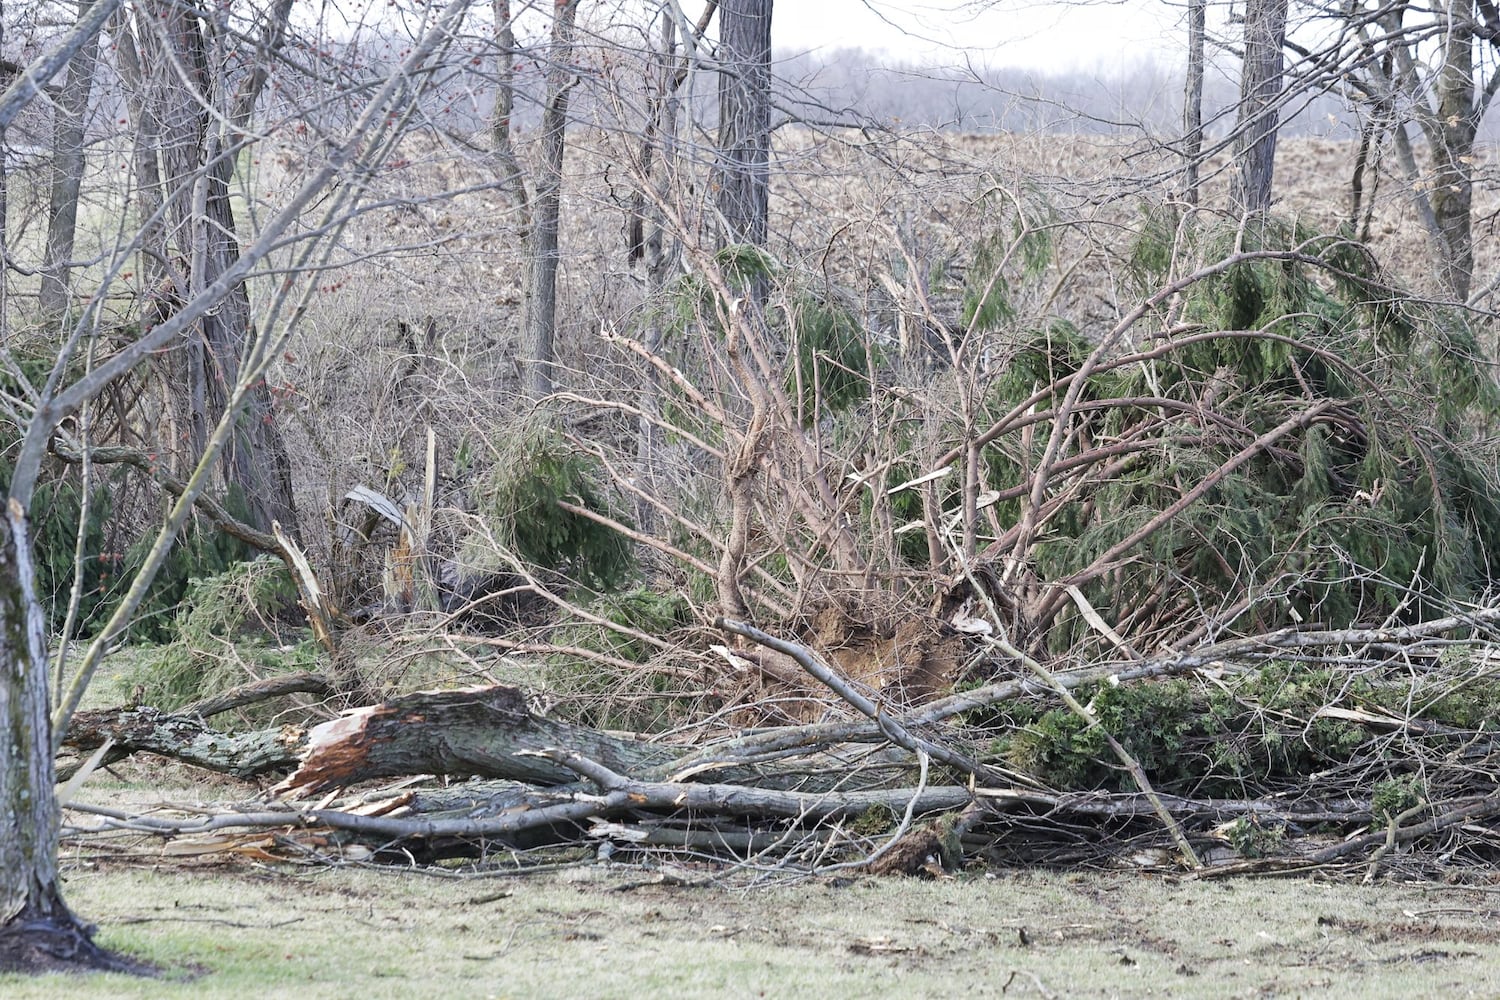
(67, 174)
(185, 160)
(37, 931)
(478, 733)
(502, 141)
(541, 297)
(28, 847)
(742, 175)
(1257, 123)
(484, 732)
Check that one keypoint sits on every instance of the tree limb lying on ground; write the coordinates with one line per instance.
(542, 780)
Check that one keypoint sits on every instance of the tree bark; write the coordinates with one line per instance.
(1192, 101)
(67, 173)
(541, 298)
(185, 161)
(502, 140)
(26, 85)
(649, 239)
(1452, 151)
(28, 848)
(742, 175)
(37, 930)
(186, 738)
(1257, 122)
(478, 732)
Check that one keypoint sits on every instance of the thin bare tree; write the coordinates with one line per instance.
(1192, 101)
(1258, 120)
(541, 294)
(37, 929)
(67, 172)
(742, 175)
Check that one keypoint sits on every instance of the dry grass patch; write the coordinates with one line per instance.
(240, 930)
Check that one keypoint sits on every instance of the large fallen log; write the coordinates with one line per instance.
(479, 732)
(483, 732)
(489, 733)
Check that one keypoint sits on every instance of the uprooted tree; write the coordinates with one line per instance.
(846, 536)
(1136, 656)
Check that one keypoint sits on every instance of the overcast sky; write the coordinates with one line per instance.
(1103, 36)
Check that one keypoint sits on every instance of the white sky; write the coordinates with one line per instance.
(1104, 36)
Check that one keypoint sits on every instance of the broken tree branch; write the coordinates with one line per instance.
(887, 723)
(255, 692)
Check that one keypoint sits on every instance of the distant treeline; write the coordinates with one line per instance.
(1148, 96)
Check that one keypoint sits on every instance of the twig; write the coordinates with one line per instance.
(1048, 994)
(1392, 828)
(215, 511)
(896, 835)
(256, 691)
(1488, 805)
(1257, 647)
(623, 795)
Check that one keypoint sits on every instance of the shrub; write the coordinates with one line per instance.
(519, 501)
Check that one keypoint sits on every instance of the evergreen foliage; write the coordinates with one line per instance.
(1014, 243)
(218, 638)
(610, 695)
(1383, 506)
(519, 499)
(115, 547)
(832, 357)
(1252, 734)
(643, 609)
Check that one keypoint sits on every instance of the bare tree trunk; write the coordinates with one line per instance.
(67, 173)
(186, 158)
(502, 141)
(1452, 140)
(28, 849)
(1408, 84)
(742, 175)
(1257, 123)
(541, 293)
(34, 920)
(741, 182)
(649, 239)
(1192, 101)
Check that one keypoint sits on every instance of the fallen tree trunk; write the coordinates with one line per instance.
(186, 738)
(489, 733)
(477, 733)
(480, 732)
